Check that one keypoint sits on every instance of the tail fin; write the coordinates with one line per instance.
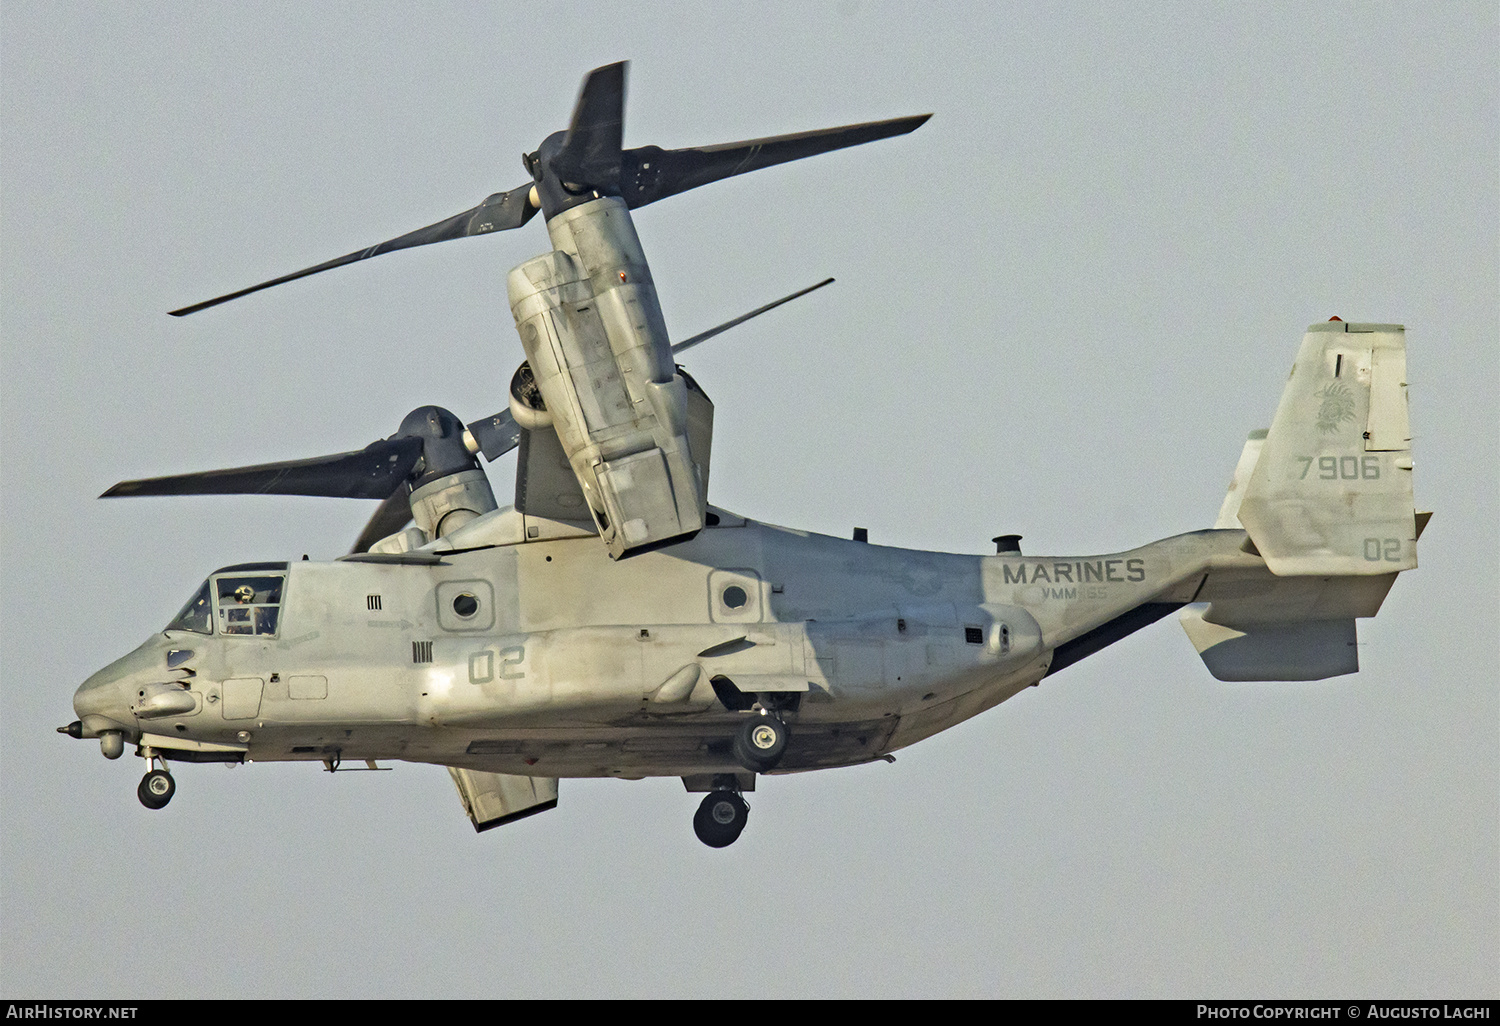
(1331, 491)
(1326, 498)
(1229, 513)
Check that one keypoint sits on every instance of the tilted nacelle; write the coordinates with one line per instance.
(597, 346)
(613, 427)
(446, 489)
(439, 508)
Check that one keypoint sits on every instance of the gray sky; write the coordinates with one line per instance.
(1061, 305)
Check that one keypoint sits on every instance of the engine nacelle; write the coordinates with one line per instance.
(443, 506)
(597, 347)
(440, 507)
(448, 489)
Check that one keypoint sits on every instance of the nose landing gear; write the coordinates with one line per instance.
(156, 789)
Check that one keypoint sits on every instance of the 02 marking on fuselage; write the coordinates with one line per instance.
(510, 658)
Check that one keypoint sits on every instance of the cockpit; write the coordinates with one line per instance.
(236, 600)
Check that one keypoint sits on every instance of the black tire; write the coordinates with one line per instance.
(156, 789)
(760, 743)
(721, 819)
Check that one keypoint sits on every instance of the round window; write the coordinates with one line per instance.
(466, 605)
(735, 597)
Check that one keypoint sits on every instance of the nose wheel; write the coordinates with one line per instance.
(156, 789)
(721, 819)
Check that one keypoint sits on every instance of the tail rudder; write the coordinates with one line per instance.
(1331, 489)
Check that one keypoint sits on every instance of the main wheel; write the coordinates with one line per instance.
(157, 788)
(760, 743)
(721, 819)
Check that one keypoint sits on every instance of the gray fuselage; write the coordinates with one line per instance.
(520, 647)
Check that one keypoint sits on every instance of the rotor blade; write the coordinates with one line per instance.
(591, 152)
(499, 212)
(650, 173)
(704, 336)
(496, 435)
(391, 516)
(373, 472)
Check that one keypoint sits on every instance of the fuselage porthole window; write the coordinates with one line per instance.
(465, 605)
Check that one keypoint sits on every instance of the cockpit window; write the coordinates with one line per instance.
(197, 616)
(249, 605)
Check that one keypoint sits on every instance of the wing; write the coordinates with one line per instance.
(545, 483)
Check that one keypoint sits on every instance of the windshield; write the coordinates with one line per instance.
(197, 615)
(249, 605)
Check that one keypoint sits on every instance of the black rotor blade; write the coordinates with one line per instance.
(373, 472)
(496, 435)
(502, 211)
(704, 336)
(650, 173)
(591, 152)
(391, 516)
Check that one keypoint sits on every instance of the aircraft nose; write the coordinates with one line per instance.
(103, 701)
(103, 709)
(101, 697)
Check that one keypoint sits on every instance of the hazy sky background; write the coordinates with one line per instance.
(1061, 305)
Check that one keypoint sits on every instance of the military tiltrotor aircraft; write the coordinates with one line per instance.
(612, 623)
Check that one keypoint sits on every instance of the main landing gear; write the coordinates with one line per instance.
(721, 818)
(759, 744)
(157, 787)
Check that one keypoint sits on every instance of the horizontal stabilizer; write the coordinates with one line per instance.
(1304, 650)
(495, 799)
(1331, 492)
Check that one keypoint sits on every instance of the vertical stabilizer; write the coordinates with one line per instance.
(1229, 512)
(1331, 492)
